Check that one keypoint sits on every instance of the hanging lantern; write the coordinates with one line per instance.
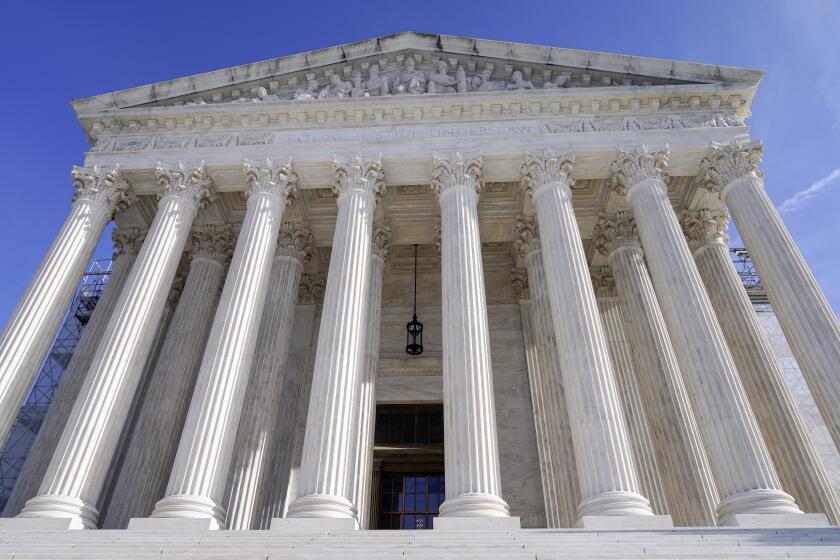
(414, 328)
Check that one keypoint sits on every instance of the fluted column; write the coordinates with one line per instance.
(738, 457)
(325, 490)
(127, 244)
(154, 439)
(367, 397)
(810, 325)
(796, 459)
(250, 475)
(197, 482)
(560, 479)
(689, 486)
(473, 485)
(76, 473)
(635, 415)
(28, 335)
(607, 476)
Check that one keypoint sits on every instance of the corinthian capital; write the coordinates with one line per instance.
(381, 245)
(636, 165)
(311, 288)
(455, 171)
(128, 241)
(527, 237)
(295, 241)
(189, 183)
(726, 163)
(211, 242)
(270, 178)
(704, 227)
(104, 186)
(519, 280)
(603, 281)
(546, 167)
(614, 231)
(357, 174)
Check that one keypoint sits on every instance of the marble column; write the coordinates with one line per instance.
(199, 474)
(796, 459)
(367, 398)
(691, 493)
(738, 457)
(78, 469)
(810, 325)
(471, 452)
(609, 484)
(153, 441)
(325, 489)
(635, 415)
(127, 242)
(24, 343)
(560, 479)
(250, 474)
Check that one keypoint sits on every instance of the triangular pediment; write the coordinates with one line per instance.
(415, 63)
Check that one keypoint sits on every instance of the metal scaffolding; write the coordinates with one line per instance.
(746, 270)
(34, 409)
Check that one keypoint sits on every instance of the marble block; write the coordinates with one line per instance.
(454, 523)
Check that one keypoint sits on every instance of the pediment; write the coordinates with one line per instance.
(417, 64)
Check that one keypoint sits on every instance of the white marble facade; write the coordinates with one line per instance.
(269, 189)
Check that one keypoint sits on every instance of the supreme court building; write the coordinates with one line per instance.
(425, 281)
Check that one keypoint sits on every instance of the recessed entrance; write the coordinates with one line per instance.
(408, 482)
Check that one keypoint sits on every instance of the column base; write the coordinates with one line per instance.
(620, 503)
(762, 501)
(38, 524)
(629, 522)
(173, 525)
(80, 514)
(777, 520)
(187, 506)
(314, 524)
(453, 523)
(474, 505)
(322, 506)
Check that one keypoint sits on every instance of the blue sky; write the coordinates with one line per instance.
(53, 52)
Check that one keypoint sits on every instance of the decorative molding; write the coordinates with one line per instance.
(211, 241)
(128, 241)
(270, 178)
(603, 282)
(103, 186)
(726, 163)
(545, 167)
(614, 231)
(455, 171)
(192, 184)
(704, 227)
(358, 174)
(635, 165)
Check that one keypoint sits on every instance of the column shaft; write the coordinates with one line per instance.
(77, 471)
(127, 244)
(29, 333)
(197, 482)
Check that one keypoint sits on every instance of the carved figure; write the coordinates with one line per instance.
(336, 88)
(519, 82)
(358, 90)
(559, 81)
(482, 82)
(410, 80)
(308, 92)
(440, 81)
(376, 84)
(460, 80)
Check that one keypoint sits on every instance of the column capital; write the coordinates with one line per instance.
(103, 186)
(211, 242)
(527, 236)
(268, 177)
(381, 245)
(704, 226)
(603, 282)
(519, 280)
(726, 163)
(128, 241)
(311, 289)
(545, 167)
(358, 174)
(614, 231)
(456, 171)
(296, 241)
(635, 165)
(192, 184)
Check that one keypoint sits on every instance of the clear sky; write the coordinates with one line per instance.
(56, 51)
